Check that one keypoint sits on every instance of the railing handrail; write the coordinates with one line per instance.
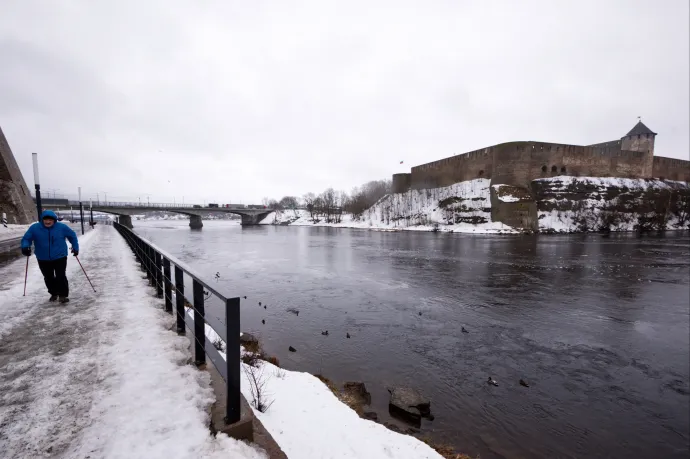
(157, 264)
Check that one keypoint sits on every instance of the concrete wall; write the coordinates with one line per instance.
(671, 169)
(15, 198)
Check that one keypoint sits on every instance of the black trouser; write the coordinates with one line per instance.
(54, 275)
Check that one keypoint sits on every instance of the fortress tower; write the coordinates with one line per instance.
(15, 199)
(641, 138)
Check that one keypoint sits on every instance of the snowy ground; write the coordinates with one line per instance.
(308, 421)
(103, 376)
(12, 231)
(594, 207)
(462, 207)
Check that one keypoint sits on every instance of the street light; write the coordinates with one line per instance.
(37, 184)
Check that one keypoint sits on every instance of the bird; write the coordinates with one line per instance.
(348, 335)
(259, 303)
(292, 349)
(523, 383)
(464, 330)
(420, 313)
(217, 276)
(264, 306)
(492, 381)
(263, 321)
(324, 333)
(245, 297)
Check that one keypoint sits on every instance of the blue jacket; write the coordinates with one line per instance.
(49, 243)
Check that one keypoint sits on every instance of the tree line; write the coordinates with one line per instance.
(331, 204)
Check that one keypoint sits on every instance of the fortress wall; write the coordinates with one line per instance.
(671, 168)
(447, 171)
(518, 163)
(594, 161)
(401, 182)
(512, 164)
(546, 159)
(630, 164)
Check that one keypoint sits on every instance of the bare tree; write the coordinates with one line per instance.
(288, 202)
(257, 386)
(309, 199)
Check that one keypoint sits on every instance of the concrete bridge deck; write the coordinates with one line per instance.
(124, 211)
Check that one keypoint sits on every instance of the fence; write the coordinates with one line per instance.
(158, 266)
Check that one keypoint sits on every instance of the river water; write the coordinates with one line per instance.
(598, 326)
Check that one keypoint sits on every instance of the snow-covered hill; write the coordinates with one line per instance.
(564, 203)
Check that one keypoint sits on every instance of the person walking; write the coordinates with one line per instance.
(48, 237)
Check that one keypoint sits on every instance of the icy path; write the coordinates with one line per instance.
(102, 377)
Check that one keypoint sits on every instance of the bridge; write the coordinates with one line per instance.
(251, 215)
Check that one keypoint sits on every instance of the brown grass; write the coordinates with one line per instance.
(448, 452)
(254, 352)
(329, 384)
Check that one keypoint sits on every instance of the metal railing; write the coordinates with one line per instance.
(158, 266)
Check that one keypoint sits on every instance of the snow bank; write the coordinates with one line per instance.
(462, 207)
(308, 421)
(12, 231)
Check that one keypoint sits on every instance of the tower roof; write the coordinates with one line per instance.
(640, 128)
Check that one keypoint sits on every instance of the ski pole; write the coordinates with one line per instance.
(26, 274)
(87, 276)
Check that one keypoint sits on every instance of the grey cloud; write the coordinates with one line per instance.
(232, 101)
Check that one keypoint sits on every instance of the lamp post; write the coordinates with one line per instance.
(37, 183)
(91, 212)
(81, 212)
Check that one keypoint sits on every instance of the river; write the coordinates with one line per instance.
(598, 326)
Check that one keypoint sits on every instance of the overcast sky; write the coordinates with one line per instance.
(231, 101)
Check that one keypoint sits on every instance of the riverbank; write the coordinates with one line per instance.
(564, 204)
(307, 417)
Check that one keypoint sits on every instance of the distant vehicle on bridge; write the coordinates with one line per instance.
(213, 205)
(236, 206)
(196, 206)
(255, 206)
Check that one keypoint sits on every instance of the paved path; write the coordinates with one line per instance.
(101, 376)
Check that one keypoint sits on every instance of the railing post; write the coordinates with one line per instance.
(179, 299)
(159, 275)
(149, 268)
(232, 360)
(168, 285)
(199, 324)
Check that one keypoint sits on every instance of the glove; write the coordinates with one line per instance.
(75, 252)
(26, 251)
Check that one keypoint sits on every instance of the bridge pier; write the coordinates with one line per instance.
(195, 222)
(252, 219)
(125, 220)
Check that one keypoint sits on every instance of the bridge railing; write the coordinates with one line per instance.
(159, 266)
(147, 206)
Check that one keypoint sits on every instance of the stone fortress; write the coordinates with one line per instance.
(518, 163)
